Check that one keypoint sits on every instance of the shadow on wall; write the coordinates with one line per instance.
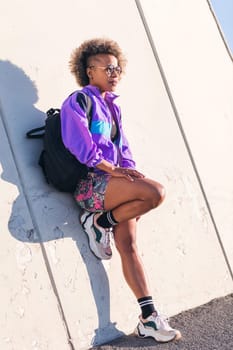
(18, 95)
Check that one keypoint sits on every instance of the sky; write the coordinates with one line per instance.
(223, 10)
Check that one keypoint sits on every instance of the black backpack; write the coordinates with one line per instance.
(61, 168)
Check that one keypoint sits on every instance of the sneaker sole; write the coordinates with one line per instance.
(140, 335)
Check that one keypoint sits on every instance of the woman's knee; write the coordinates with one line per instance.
(157, 195)
(162, 193)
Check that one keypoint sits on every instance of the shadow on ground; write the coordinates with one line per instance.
(208, 327)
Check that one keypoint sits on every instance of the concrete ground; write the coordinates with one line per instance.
(208, 327)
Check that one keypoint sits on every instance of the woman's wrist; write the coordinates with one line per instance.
(106, 166)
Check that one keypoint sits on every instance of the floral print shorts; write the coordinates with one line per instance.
(89, 193)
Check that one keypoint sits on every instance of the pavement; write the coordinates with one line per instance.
(208, 327)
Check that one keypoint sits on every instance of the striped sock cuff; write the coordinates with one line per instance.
(146, 302)
(147, 306)
(111, 218)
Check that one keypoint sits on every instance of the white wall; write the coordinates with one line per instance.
(178, 241)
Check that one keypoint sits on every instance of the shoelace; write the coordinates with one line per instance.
(106, 239)
(162, 322)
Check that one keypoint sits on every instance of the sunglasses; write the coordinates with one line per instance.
(110, 69)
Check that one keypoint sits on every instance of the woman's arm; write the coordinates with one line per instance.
(76, 135)
(127, 173)
(126, 159)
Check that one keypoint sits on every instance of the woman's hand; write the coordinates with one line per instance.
(127, 173)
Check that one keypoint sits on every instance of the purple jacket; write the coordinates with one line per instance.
(90, 147)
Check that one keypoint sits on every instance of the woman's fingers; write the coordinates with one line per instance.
(133, 172)
(129, 174)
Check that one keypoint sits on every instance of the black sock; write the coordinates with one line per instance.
(147, 306)
(107, 220)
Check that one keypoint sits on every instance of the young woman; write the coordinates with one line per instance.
(114, 194)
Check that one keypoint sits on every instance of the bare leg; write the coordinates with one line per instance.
(125, 240)
(128, 199)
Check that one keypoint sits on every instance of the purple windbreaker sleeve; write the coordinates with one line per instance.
(126, 160)
(76, 135)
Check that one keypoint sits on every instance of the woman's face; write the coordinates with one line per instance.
(103, 71)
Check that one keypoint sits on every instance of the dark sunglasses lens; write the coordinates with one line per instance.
(111, 69)
(118, 70)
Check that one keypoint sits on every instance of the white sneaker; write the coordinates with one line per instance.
(99, 237)
(157, 327)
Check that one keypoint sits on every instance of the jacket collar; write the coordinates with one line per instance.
(96, 91)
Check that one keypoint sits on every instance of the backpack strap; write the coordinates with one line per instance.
(36, 133)
(85, 103)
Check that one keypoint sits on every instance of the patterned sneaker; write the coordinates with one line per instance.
(157, 327)
(99, 237)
